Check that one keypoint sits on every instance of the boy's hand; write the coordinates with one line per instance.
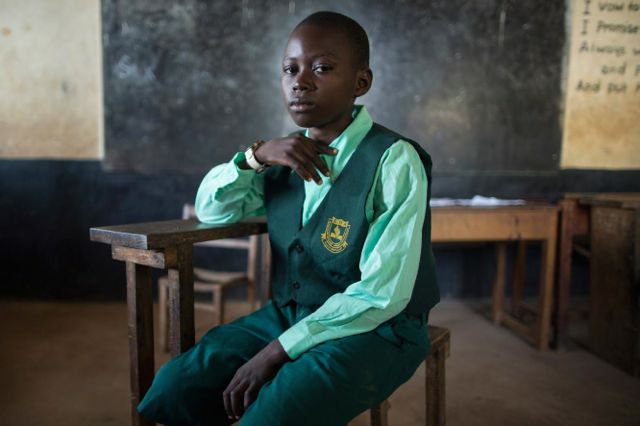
(298, 152)
(246, 383)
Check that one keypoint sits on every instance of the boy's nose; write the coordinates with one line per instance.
(302, 82)
(300, 86)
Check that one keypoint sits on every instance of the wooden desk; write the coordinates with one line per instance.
(501, 225)
(612, 222)
(163, 245)
(576, 211)
(168, 245)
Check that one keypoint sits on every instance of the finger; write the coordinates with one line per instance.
(308, 164)
(323, 148)
(303, 167)
(312, 156)
(237, 401)
(249, 396)
(320, 164)
(291, 161)
(226, 397)
(318, 146)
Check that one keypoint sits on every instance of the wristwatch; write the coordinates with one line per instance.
(249, 155)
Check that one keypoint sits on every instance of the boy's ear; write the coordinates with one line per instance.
(363, 81)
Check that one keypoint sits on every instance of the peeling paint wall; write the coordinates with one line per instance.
(50, 79)
(602, 126)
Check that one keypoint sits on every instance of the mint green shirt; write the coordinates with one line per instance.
(395, 209)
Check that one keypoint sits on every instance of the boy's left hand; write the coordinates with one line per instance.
(246, 383)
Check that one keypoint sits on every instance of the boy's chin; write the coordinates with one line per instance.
(303, 120)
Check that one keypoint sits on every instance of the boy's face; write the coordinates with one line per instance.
(320, 79)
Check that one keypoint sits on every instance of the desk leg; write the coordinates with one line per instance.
(435, 395)
(561, 334)
(498, 284)
(519, 272)
(181, 314)
(265, 279)
(547, 271)
(140, 311)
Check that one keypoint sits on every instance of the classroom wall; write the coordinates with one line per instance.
(50, 79)
(47, 205)
(602, 102)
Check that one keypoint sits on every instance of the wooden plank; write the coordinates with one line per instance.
(464, 224)
(519, 274)
(526, 331)
(435, 387)
(154, 258)
(265, 273)
(499, 282)
(140, 322)
(545, 292)
(626, 200)
(613, 320)
(380, 414)
(159, 235)
(181, 307)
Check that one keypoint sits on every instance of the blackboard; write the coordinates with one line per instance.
(478, 83)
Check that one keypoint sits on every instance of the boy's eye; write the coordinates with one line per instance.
(288, 69)
(321, 68)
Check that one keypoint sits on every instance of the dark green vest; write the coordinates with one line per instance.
(313, 262)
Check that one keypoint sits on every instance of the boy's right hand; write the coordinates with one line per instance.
(299, 153)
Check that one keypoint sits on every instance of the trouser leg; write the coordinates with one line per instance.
(338, 379)
(187, 390)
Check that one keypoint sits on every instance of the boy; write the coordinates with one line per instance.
(353, 271)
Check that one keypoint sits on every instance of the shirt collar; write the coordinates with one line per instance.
(347, 142)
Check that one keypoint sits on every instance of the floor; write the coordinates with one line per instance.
(67, 364)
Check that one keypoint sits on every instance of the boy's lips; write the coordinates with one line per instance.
(301, 105)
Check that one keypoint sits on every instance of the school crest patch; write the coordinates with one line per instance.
(334, 237)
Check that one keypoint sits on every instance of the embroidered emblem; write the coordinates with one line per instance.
(334, 237)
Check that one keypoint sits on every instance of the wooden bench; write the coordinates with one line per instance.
(169, 245)
(434, 382)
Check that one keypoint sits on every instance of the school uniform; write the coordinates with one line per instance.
(353, 281)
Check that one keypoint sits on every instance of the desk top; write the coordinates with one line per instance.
(171, 233)
(449, 224)
(612, 199)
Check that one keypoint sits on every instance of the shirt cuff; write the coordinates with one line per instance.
(296, 340)
(238, 159)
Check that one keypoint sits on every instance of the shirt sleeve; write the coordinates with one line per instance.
(389, 262)
(229, 194)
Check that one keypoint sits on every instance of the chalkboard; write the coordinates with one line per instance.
(478, 83)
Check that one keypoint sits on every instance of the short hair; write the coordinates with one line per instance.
(355, 33)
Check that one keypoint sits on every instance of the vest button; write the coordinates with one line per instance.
(298, 248)
(296, 285)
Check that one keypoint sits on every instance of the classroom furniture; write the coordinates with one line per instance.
(501, 225)
(612, 222)
(434, 382)
(168, 245)
(215, 283)
(161, 245)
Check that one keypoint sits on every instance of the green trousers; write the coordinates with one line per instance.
(328, 385)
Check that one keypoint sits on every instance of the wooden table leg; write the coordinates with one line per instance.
(547, 273)
(435, 388)
(380, 414)
(499, 282)
(181, 311)
(519, 273)
(561, 314)
(140, 311)
(265, 278)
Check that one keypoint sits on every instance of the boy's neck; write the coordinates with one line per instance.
(328, 134)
